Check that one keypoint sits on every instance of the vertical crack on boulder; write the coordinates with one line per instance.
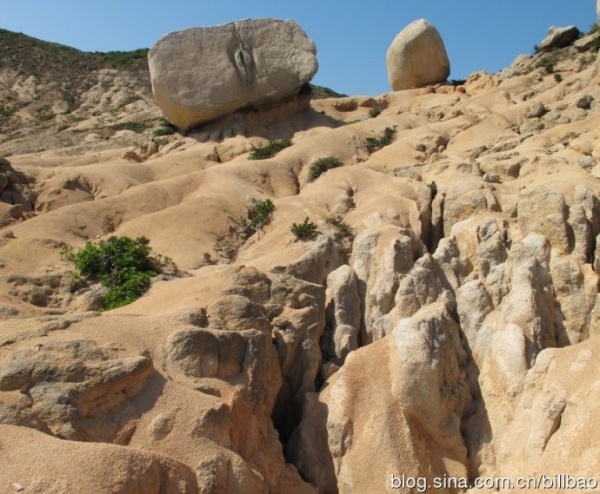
(243, 59)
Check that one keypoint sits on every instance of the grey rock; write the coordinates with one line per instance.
(537, 110)
(587, 162)
(585, 102)
(559, 37)
(201, 74)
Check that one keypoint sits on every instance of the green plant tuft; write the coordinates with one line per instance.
(434, 190)
(344, 229)
(166, 128)
(387, 137)
(258, 215)
(322, 165)
(374, 112)
(304, 231)
(5, 111)
(122, 264)
(137, 127)
(269, 150)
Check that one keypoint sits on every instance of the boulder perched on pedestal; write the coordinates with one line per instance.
(417, 57)
(201, 74)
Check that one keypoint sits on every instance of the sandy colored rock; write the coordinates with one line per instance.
(249, 63)
(41, 463)
(424, 419)
(343, 314)
(448, 304)
(417, 57)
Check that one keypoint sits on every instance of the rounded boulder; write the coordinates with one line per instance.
(417, 57)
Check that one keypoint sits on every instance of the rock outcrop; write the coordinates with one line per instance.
(441, 323)
(202, 74)
(35, 462)
(417, 57)
(17, 199)
(559, 37)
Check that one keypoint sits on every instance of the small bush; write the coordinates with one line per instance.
(386, 138)
(374, 112)
(344, 229)
(71, 100)
(125, 59)
(304, 231)
(322, 165)
(137, 127)
(258, 215)
(558, 78)
(269, 150)
(5, 111)
(261, 212)
(549, 66)
(433, 188)
(122, 264)
(166, 128)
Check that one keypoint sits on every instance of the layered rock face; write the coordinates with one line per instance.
(417, 57)
(201, 74)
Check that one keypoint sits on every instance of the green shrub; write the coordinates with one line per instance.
(433, 188)
(261, 212)
(125, 59)
(344, 229)
(166, 128)
(374, 112)
(137, 127)
(322, 165)
(71, 100)
(5, 111)
(122, 264)
(558, 78)
(387, 137)
(269, 150)
(304, 231)
(258, 215)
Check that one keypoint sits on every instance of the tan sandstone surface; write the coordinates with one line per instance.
(443, 321)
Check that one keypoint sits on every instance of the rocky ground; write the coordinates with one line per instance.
(442, 321)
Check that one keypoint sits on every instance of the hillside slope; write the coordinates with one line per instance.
(440, 322)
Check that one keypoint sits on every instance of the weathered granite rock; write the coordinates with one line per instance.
(559, 37)
(417, 57)
(201, 74)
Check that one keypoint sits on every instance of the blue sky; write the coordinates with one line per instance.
(352, 36)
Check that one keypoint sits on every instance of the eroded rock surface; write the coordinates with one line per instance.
(442, 320)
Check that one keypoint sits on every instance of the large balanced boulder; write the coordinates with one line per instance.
(417, 57)
(201, 74)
